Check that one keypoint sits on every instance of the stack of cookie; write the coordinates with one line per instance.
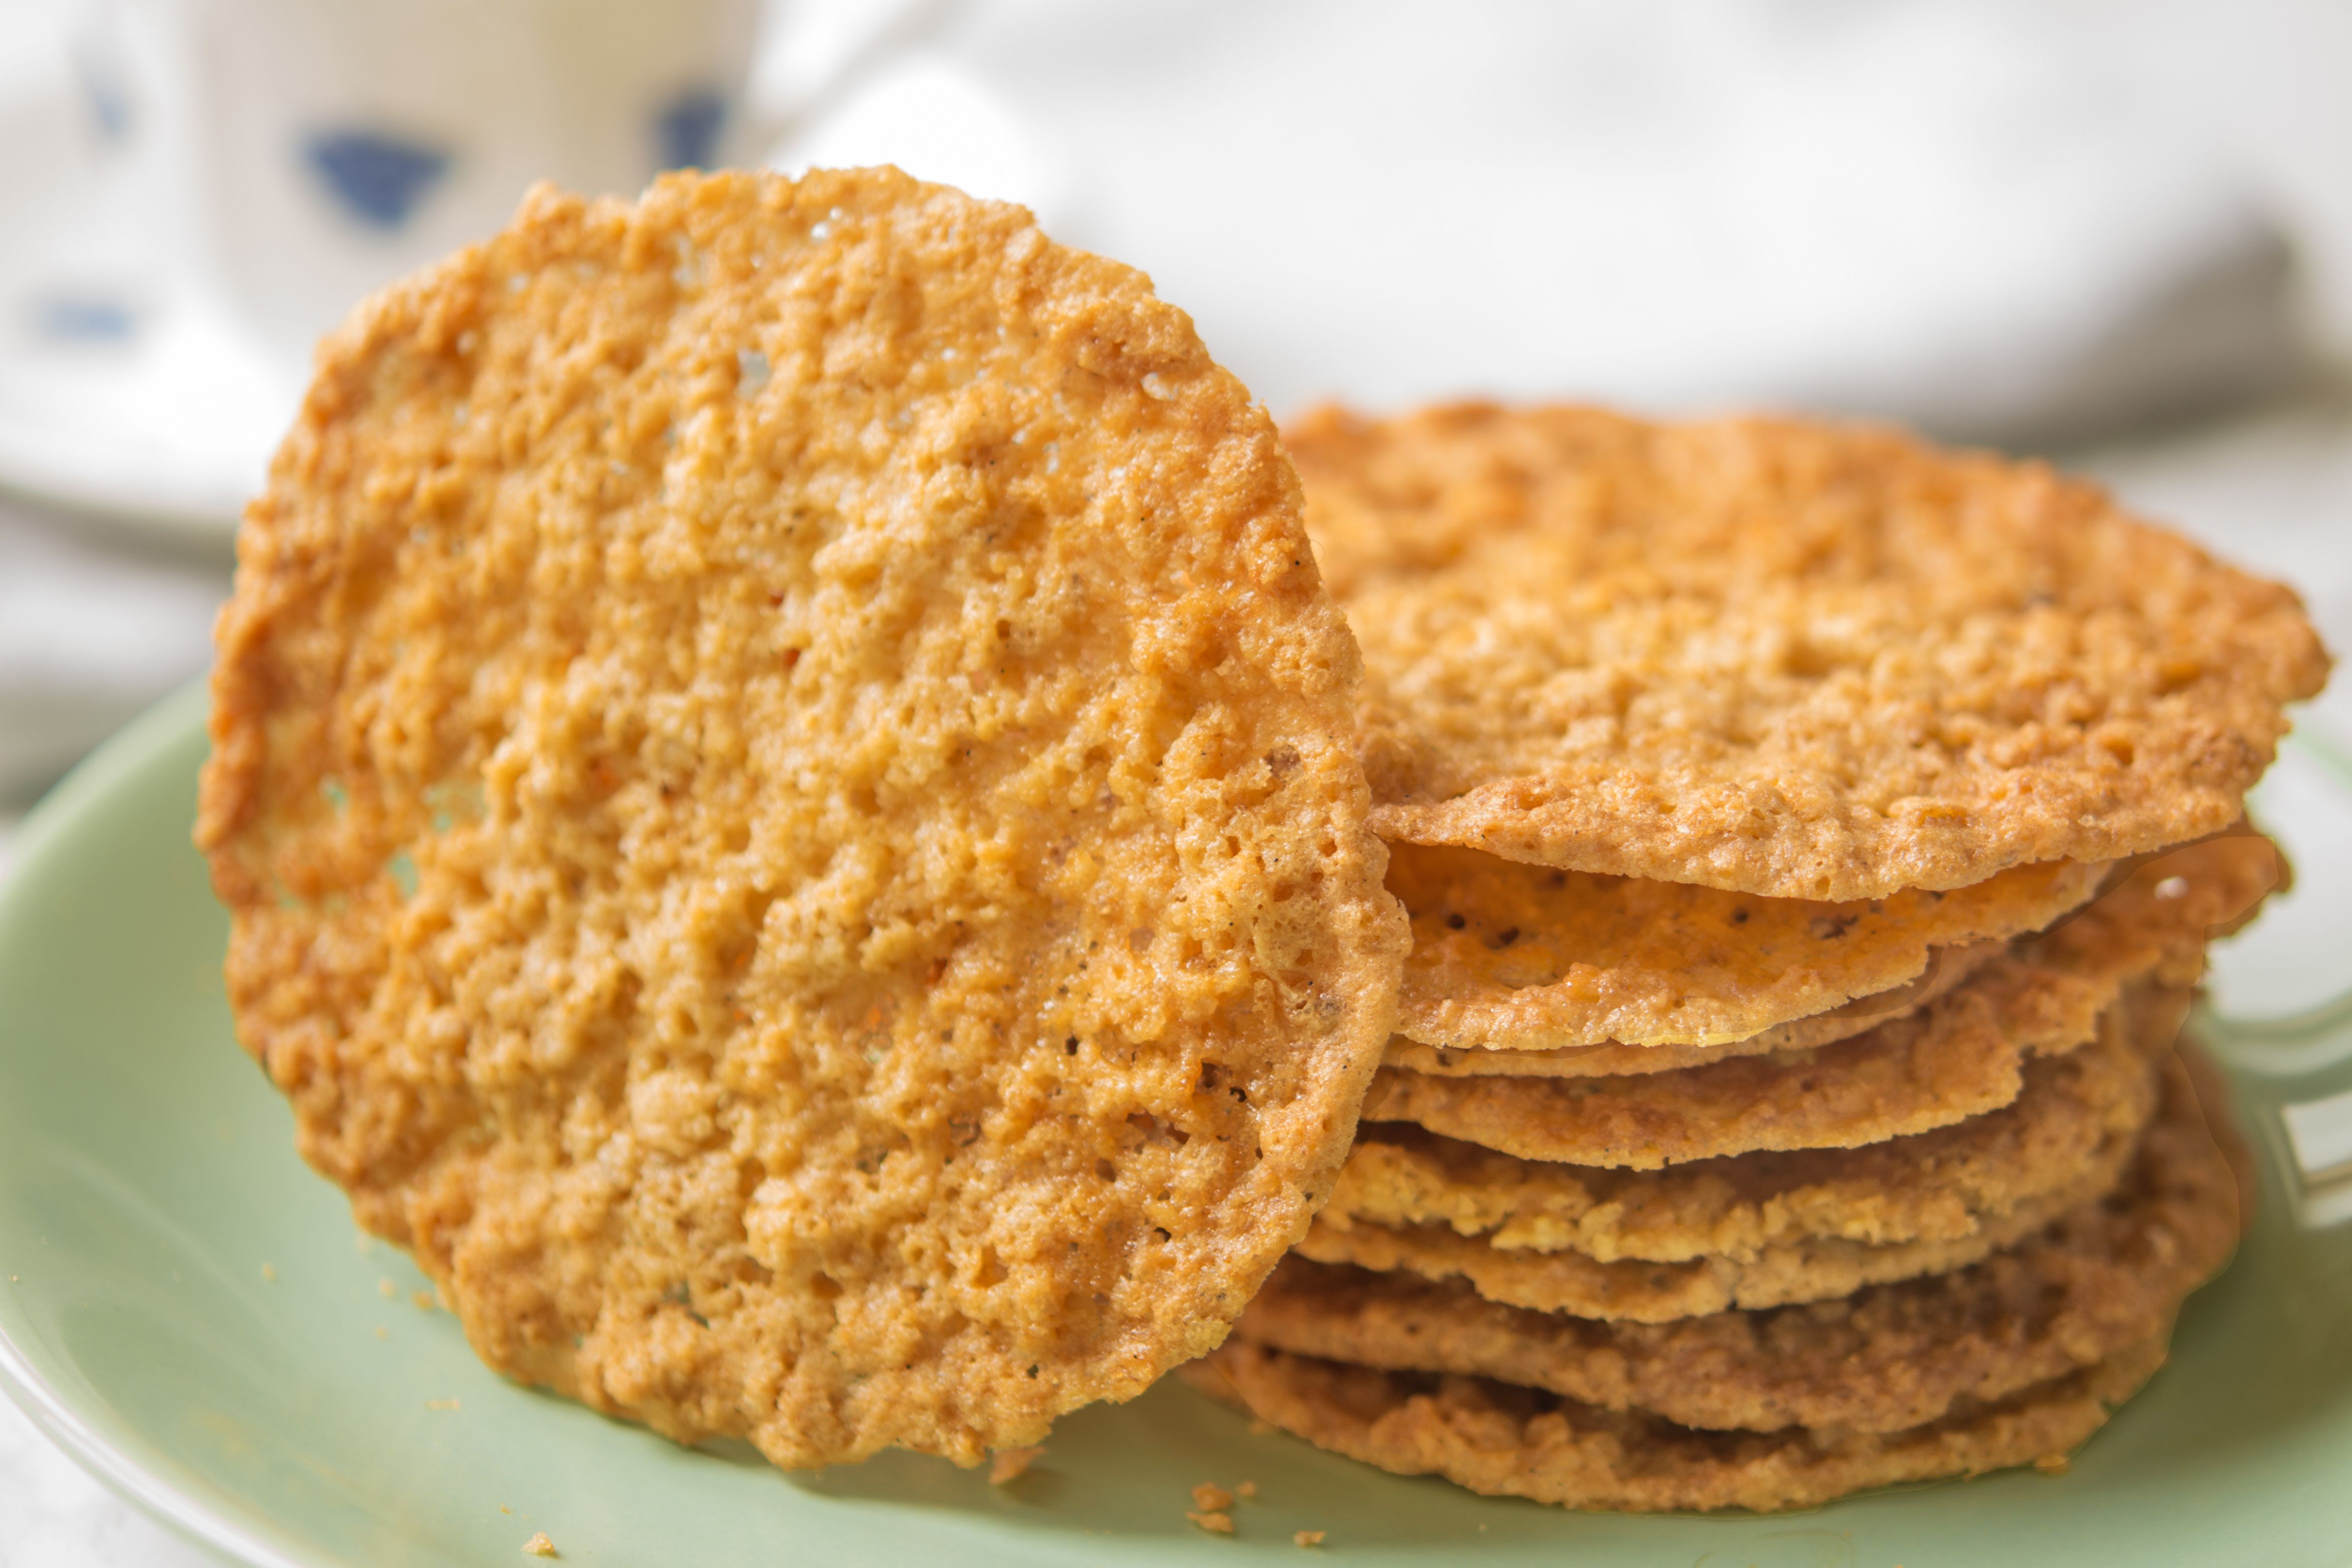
(1811, 841)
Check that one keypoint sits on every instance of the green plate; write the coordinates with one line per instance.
(149, 1192)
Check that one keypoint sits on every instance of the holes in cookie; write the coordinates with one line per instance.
(1151, 1129)
(872, 1153)
(454, 801)
(1807, 661)
(604, 777)
(1106, 1171)
(402, 869)
(680, 1295)
(824, 1287)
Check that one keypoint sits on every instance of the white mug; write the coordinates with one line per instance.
(304, 152)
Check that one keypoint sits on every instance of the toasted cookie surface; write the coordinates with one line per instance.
(1500, 1439)
(1514, 956)
(1948, 967)
(2074, 1119)
(782, 768)
(1630, 1291)
(1778, 658)
(1959, 1055)
(2103, 1277)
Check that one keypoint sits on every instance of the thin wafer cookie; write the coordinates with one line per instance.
(1961, 1055)
(779, 766)
(1500, 1439)
(2088, 1109)
(1947, 967)
(1520, 958)
(1800, 660)
(1892, 1356)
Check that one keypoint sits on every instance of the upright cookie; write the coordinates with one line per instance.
(783, 772)
(1795, 659)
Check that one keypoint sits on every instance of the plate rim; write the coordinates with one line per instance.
(113, 1465)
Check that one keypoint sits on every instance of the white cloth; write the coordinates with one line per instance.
(53, 1515)
(92, 630)
(1945, 210)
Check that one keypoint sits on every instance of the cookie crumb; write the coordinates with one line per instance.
(2053, 1464)
(1211, 1498)
(504, 1509)
(382, 1332)
(1307, 1538)
(1012, 1463)
(443, 1405)
(386, 1289)
(1246, 1490)
(1214, 1522)
(424, 1300)
(539, 1545)
(268, 1272)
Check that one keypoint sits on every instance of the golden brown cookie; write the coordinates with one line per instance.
(2076, 1117)
(1788, 659)
(1517, 957)
(1948, 967)
(781, 765)
(1500, 1439)
(2104, 1276)
(1811, 1269)
(1958, 1056)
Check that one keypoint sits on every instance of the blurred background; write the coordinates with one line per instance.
(2116, 234)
